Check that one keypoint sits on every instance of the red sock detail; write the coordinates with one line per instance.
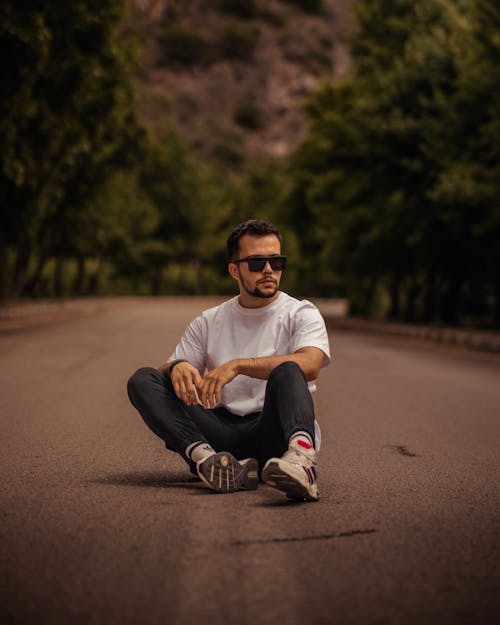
(304, 444)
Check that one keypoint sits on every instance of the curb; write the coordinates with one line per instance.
(471, 339)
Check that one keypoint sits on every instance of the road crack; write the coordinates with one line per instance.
(401, 450)
(293, 539)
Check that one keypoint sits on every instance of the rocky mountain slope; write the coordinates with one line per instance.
(234, 74)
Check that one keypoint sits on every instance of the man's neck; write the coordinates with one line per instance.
(248, 301)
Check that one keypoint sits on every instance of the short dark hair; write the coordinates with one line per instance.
(253, 227)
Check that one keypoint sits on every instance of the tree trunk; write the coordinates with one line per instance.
(4, 272)
(450, 305)
(496, 308)
(78, 287)
(33, 280)
(94, 282)
(395, 308)
(429, 297)
(23, 255)
(156, 281)
(58, 278)
(411, 298)
(368, 295)
(198, 284)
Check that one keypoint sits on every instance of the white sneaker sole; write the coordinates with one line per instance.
(290, 479)
(223, 473)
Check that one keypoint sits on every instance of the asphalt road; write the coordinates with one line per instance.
(99, 525)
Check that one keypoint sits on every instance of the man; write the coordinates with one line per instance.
(236, 392)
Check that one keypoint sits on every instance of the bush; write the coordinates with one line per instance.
(228, 154)
(184, 47)
(313, 7)
(318, 60)
(270, 16)
(245, 9)
(248, 114)
(238, 41)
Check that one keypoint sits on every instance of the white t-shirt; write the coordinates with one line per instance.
(231, 331)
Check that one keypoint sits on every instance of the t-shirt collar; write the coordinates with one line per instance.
(255, 312)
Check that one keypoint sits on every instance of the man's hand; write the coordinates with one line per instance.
(210, 388)
(185, 380)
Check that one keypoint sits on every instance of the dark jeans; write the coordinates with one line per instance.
(288, 407)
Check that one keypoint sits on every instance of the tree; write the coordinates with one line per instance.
(468, 154)
(67, 121)
(378, 178)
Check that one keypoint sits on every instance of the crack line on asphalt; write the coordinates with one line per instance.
(402, 451)
(291, 539)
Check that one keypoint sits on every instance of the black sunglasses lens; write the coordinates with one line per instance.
(257, 264)
(278, 264)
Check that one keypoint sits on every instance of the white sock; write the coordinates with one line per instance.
(199, 451)
(301, 438)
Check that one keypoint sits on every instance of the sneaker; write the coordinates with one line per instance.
(223, 473)
(294, 473)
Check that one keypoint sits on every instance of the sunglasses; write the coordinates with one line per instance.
(257, 263)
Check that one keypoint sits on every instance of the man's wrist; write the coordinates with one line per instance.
(173, 364)
(239, 365)
(243, 366)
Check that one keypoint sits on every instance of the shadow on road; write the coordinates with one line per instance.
(160, 479)
(282, 501)
(151, 479)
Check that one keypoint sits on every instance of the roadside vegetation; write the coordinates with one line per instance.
(391, 200)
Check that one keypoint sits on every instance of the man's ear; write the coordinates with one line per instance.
(233, 271)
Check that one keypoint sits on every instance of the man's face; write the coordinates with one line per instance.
(262, 284)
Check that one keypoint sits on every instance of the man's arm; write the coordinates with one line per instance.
(209, 390)
(309, 360)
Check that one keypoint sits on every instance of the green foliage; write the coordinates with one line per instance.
(66, 122)
(228, 154)
(258, 194)
(395, 187)
(227, 151)
(392, 200)
(89, 204)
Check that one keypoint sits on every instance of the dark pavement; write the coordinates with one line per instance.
(100, 525)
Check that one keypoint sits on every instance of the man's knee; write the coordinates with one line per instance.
(141, 380)
(286, 370)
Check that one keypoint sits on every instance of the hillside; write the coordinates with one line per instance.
(233, 74)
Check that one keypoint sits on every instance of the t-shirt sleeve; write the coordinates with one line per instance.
(310, 331)
(192, 346)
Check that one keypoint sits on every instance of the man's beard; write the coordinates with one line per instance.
(257, 293)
